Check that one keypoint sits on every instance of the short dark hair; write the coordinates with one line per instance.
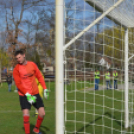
(19, 52)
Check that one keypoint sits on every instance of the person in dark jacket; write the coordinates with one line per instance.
(9, 81)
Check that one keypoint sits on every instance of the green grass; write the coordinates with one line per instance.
(79, 85)
(11, 120)
(95, 116)
(84, 111)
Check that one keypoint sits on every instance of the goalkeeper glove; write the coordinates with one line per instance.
(31, 99)
(34, 99)
(46, 94)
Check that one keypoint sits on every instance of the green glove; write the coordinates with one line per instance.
(46, 94)
(31, 99)
(34, 99)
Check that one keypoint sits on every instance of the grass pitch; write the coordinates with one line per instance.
(97, 112)
(11, 120)
(86, 112)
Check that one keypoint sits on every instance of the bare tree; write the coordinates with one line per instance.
(15, 11)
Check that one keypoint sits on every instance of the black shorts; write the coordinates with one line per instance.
(26, 105)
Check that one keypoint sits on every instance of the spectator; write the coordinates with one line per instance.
(97, 79)
(107, 78)
(9, 81)
(4, 71)
(115, 75)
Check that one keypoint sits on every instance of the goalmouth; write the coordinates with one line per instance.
(65, 45)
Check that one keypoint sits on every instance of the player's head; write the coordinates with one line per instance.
(20, 56)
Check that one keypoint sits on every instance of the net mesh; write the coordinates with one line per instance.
(96, 105)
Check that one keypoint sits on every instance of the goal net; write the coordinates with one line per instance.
(99, 66)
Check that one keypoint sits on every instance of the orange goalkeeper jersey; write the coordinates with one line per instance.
(25, 78)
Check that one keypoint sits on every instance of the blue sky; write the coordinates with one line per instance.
(83, 15)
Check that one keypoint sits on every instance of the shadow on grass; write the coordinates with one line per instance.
(41, 129)
(99, 118)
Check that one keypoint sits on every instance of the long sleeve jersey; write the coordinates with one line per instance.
(25, 78)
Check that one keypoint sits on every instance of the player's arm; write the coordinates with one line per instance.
(17, 80)
(42, 82)
(39, 77)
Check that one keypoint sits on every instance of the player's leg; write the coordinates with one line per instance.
(36, 113)
(41, 113)
(25, 106)
(41, 91)
(9, 87)
(40, 118)
(26, 120)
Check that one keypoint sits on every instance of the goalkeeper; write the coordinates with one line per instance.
(25, 74)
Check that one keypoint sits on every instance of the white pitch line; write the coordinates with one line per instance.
(19, 111)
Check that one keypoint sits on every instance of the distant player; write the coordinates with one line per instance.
(25, 74)
(41, 91)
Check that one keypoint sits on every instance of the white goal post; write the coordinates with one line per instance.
(59, 67)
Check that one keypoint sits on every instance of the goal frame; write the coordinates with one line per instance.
(61, 47)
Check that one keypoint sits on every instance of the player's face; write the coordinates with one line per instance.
(20, 58)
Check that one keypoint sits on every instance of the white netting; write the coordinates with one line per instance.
(121, 14)
(102, 47)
